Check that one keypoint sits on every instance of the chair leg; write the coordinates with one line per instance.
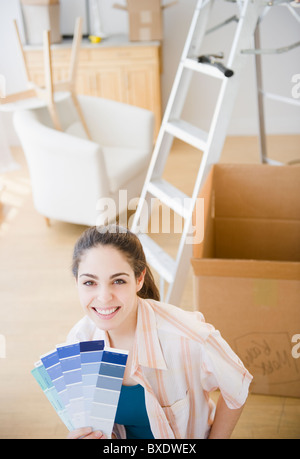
(79, 111)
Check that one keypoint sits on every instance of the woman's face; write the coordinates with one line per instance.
(108, 288)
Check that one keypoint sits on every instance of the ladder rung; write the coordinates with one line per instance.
(188, 133)
(171, 196)
(206, 69)
(158, 258)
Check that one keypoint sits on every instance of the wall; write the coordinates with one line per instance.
(278, 29)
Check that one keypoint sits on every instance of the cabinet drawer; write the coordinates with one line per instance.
(122, 53)
(36, 57)
(96, 55)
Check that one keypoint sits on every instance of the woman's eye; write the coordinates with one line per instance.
(119, 281)
(88, 283)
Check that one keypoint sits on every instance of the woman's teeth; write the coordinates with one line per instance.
(106, 312)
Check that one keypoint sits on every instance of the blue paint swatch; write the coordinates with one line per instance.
(52, 364)
(91, 353)
(107, 390)
(113, 356)
(83, 381)
(70, 362)
(41, 376)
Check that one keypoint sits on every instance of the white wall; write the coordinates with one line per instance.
(278, 29)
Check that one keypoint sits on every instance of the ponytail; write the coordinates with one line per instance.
(149, 289)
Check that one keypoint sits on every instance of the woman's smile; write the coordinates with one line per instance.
(107, 313)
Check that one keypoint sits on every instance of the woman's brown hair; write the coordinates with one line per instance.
(126, 242)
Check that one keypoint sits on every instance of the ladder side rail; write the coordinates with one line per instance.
(197, 27)
(176, 288)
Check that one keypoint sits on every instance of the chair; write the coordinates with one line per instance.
(70, 173)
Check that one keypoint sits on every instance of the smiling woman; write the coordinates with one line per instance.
(174, 358)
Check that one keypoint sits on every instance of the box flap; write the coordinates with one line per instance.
(207, 248)
(257, 191)
(257, 269)
(258, 239)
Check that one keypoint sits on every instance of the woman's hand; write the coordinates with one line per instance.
(86, 433)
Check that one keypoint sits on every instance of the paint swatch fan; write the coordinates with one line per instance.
(83, 382)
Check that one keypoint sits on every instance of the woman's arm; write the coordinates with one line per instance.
(225, 420)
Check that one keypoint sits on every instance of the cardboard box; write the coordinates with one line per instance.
(145, 19)
(40, 15)
(247, 269)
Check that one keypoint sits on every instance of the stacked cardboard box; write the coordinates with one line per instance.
(145, 19)
(247, 269)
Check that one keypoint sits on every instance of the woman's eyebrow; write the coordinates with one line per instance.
(89, 275)
(118, 274)
(111, 277)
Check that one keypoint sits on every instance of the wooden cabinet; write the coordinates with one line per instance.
(115, 69)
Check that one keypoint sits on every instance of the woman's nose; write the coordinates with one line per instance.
(104, 294)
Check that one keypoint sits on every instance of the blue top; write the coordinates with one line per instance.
(132, 414)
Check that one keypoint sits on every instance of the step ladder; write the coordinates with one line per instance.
(174, 270)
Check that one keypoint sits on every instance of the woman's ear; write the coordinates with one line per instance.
(140, 281)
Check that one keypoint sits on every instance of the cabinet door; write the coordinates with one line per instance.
(100, 82)
(142, 89)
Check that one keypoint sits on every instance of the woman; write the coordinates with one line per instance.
(175, 358)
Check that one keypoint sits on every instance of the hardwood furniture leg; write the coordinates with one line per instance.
(73, 72)
(49, 81)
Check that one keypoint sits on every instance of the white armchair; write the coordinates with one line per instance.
(69, 172)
